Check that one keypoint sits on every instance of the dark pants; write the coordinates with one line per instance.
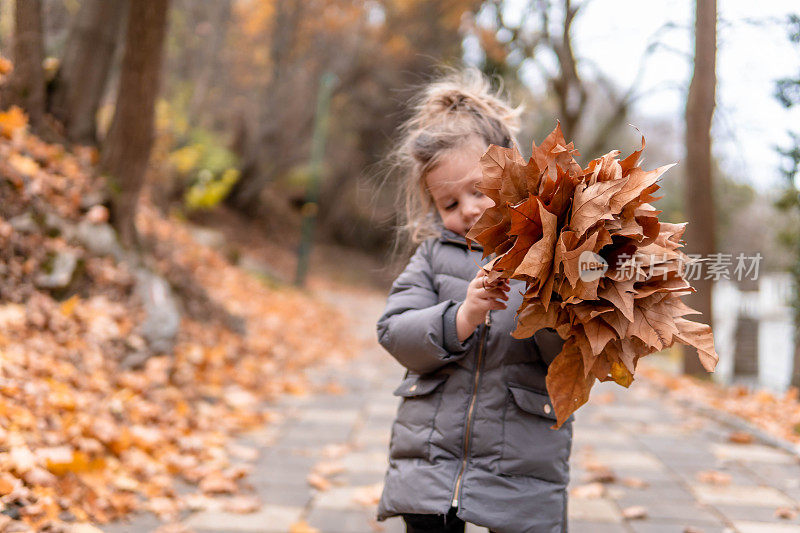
(434, 523)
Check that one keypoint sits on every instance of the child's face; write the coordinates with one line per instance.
(452, 187)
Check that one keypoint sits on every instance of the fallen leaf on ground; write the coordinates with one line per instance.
(215, 483)
(713, 477)
(599, 473)
(740, 437)
(328, 468)
(635, 512)
(333, 388)
(589, 491)
(368, 495)
(84, 528)
(302, 527)
(786, 513)
(242, 504)
(318, 482)
(634, 482)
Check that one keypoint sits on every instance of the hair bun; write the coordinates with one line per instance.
(455, 100)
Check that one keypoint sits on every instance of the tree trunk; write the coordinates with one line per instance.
(127, 147)
(795, 380)
(700, 232)
(211, 60)
(26, 86)
(88, 55)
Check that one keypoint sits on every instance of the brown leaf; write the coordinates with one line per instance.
(637, 181)
(242, 504)
(318, 482)
(532, 318)
(713, 477)
(621, 294)
(741, 437)
(786, 513)
(634, 482)
(700, 336)
(567, 384)
(7, 483)
(599, 334)
(302, 527)
(600, 474)
(635, 512)
(216, 483)
(539, 258)
(589, 491)
(591, 203)
(621, 374)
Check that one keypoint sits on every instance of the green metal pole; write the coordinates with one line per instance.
(310, 207)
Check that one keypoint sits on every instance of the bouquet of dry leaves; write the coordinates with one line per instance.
(599, 266)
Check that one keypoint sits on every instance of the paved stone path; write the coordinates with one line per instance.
(634, 433)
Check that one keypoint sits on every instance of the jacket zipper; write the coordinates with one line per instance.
(465, 450)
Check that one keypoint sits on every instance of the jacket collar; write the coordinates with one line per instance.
(454, 238)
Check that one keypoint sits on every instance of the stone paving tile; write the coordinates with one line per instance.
(269, 519)
(636, 432)
(628, 413)
(295, 496)
(342, 498)
(662, 475)
(752, 512)
(600, 437)
(363, 478)
(365, 462)
(326, 417)
(741, 495)
(785, 475)
(764, 527)
(639, 460)
(139, 522)
(690, 513)
(754, 453)
(337, 521)
(595, 510)
(655, 526)
(373, 435)
(739, 474)
(310, 435)
(655, 494)
(585, 526)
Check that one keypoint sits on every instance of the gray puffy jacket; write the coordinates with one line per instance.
(473, 427)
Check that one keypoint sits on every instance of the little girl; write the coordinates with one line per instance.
(472, 439)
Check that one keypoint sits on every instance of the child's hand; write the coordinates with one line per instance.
(482, 296)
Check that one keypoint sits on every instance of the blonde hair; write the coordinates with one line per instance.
(446, 113)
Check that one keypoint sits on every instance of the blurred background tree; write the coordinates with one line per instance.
(234, 111)
(787, 92)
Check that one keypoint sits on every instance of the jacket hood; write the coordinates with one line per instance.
(450, 236)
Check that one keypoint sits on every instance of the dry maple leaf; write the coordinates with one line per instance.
(786, 513)
(741, 437)
(600, 268)
(318, 482)
(634, 482)
(713, 477)
(216, 483)
(302, 527)
(635, 512)
(242, 504)
(589, 491)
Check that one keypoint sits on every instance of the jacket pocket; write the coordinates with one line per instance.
(416, 417)
(530, 447)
